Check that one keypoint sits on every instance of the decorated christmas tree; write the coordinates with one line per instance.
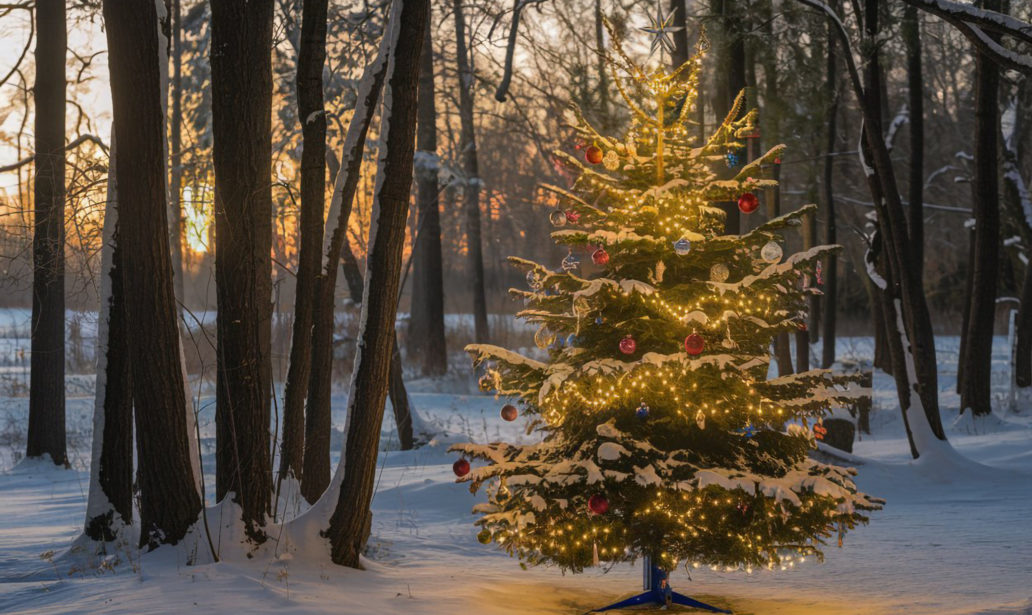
(661, 434)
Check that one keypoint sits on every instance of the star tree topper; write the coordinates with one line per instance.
(661, 27)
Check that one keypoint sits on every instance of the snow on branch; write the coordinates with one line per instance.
(978, 17)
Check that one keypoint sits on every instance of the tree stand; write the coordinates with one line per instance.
(656, 593)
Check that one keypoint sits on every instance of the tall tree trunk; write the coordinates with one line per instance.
(905, 297)
(241, 84)
(978, 343)
(347, 531)
(176, 154)
(911, 31)
(169, 501)
(679, 12)
(830, 229)
(315, 475)
(782, 348)
(802, 337)
(733, 23)
(471, 187)
(46, 387)
(1016, 192)
(426, 339)
(311, 56)
(110, 500)
(600, 66)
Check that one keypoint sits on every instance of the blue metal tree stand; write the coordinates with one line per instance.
(655, 593)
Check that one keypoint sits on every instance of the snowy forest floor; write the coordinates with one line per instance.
(951, 540)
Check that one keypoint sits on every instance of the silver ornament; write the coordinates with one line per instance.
(557, 218)
(771, 252)
(535, 280)
(543, 338)
(719, 272)
(682, 247)
(570, 263)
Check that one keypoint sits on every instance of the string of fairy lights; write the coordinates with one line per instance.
(655, 188)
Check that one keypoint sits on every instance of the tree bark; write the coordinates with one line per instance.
(169, 501)
(802, 337)
(241, 84)
(782, 348)
(311, 57)
(46, 434)
(733, 24)
(400, 402)
(471, 187)
(426, 338)
(110, 500)
(911, 31)
(978, 343)
(679, 12)
(1014, 154)
(893, 227)
(315, 475)
(347, 531)
(176, 154)
(830, 300)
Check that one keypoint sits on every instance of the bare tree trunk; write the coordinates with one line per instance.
(241, 81)
(679, 11)
(911, 31)
(977, 359)
(347, 531)
(311, 56)
(830, 228)
(1014, 155)
(315, 475)
(169, 501)
(802, 337)
(46, 434)
(110, 500)
(902, 288)
(733, 24)
(782, 349)
(176, 154)
(426, 338)
(471, 187)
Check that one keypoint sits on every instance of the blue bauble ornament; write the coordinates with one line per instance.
(572, 340)
(732, 160)
(642, 412)
(682, 247)
(599, 320)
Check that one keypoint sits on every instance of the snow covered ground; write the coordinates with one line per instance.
(954, 540)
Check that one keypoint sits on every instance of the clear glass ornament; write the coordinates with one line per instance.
(557, 218)
(535, 280)
(543, 338)
(682, 247)
(570, 263)
(771, 252)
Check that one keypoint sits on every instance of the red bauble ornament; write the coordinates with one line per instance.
(693, 344)
(593, 154)
(600, 257)
(572, 216)
(748, 203)
(460, 467)
(598, 504)
(802, 326)
(509, 412)
(628, 345)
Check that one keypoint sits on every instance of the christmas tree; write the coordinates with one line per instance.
(662, 435)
